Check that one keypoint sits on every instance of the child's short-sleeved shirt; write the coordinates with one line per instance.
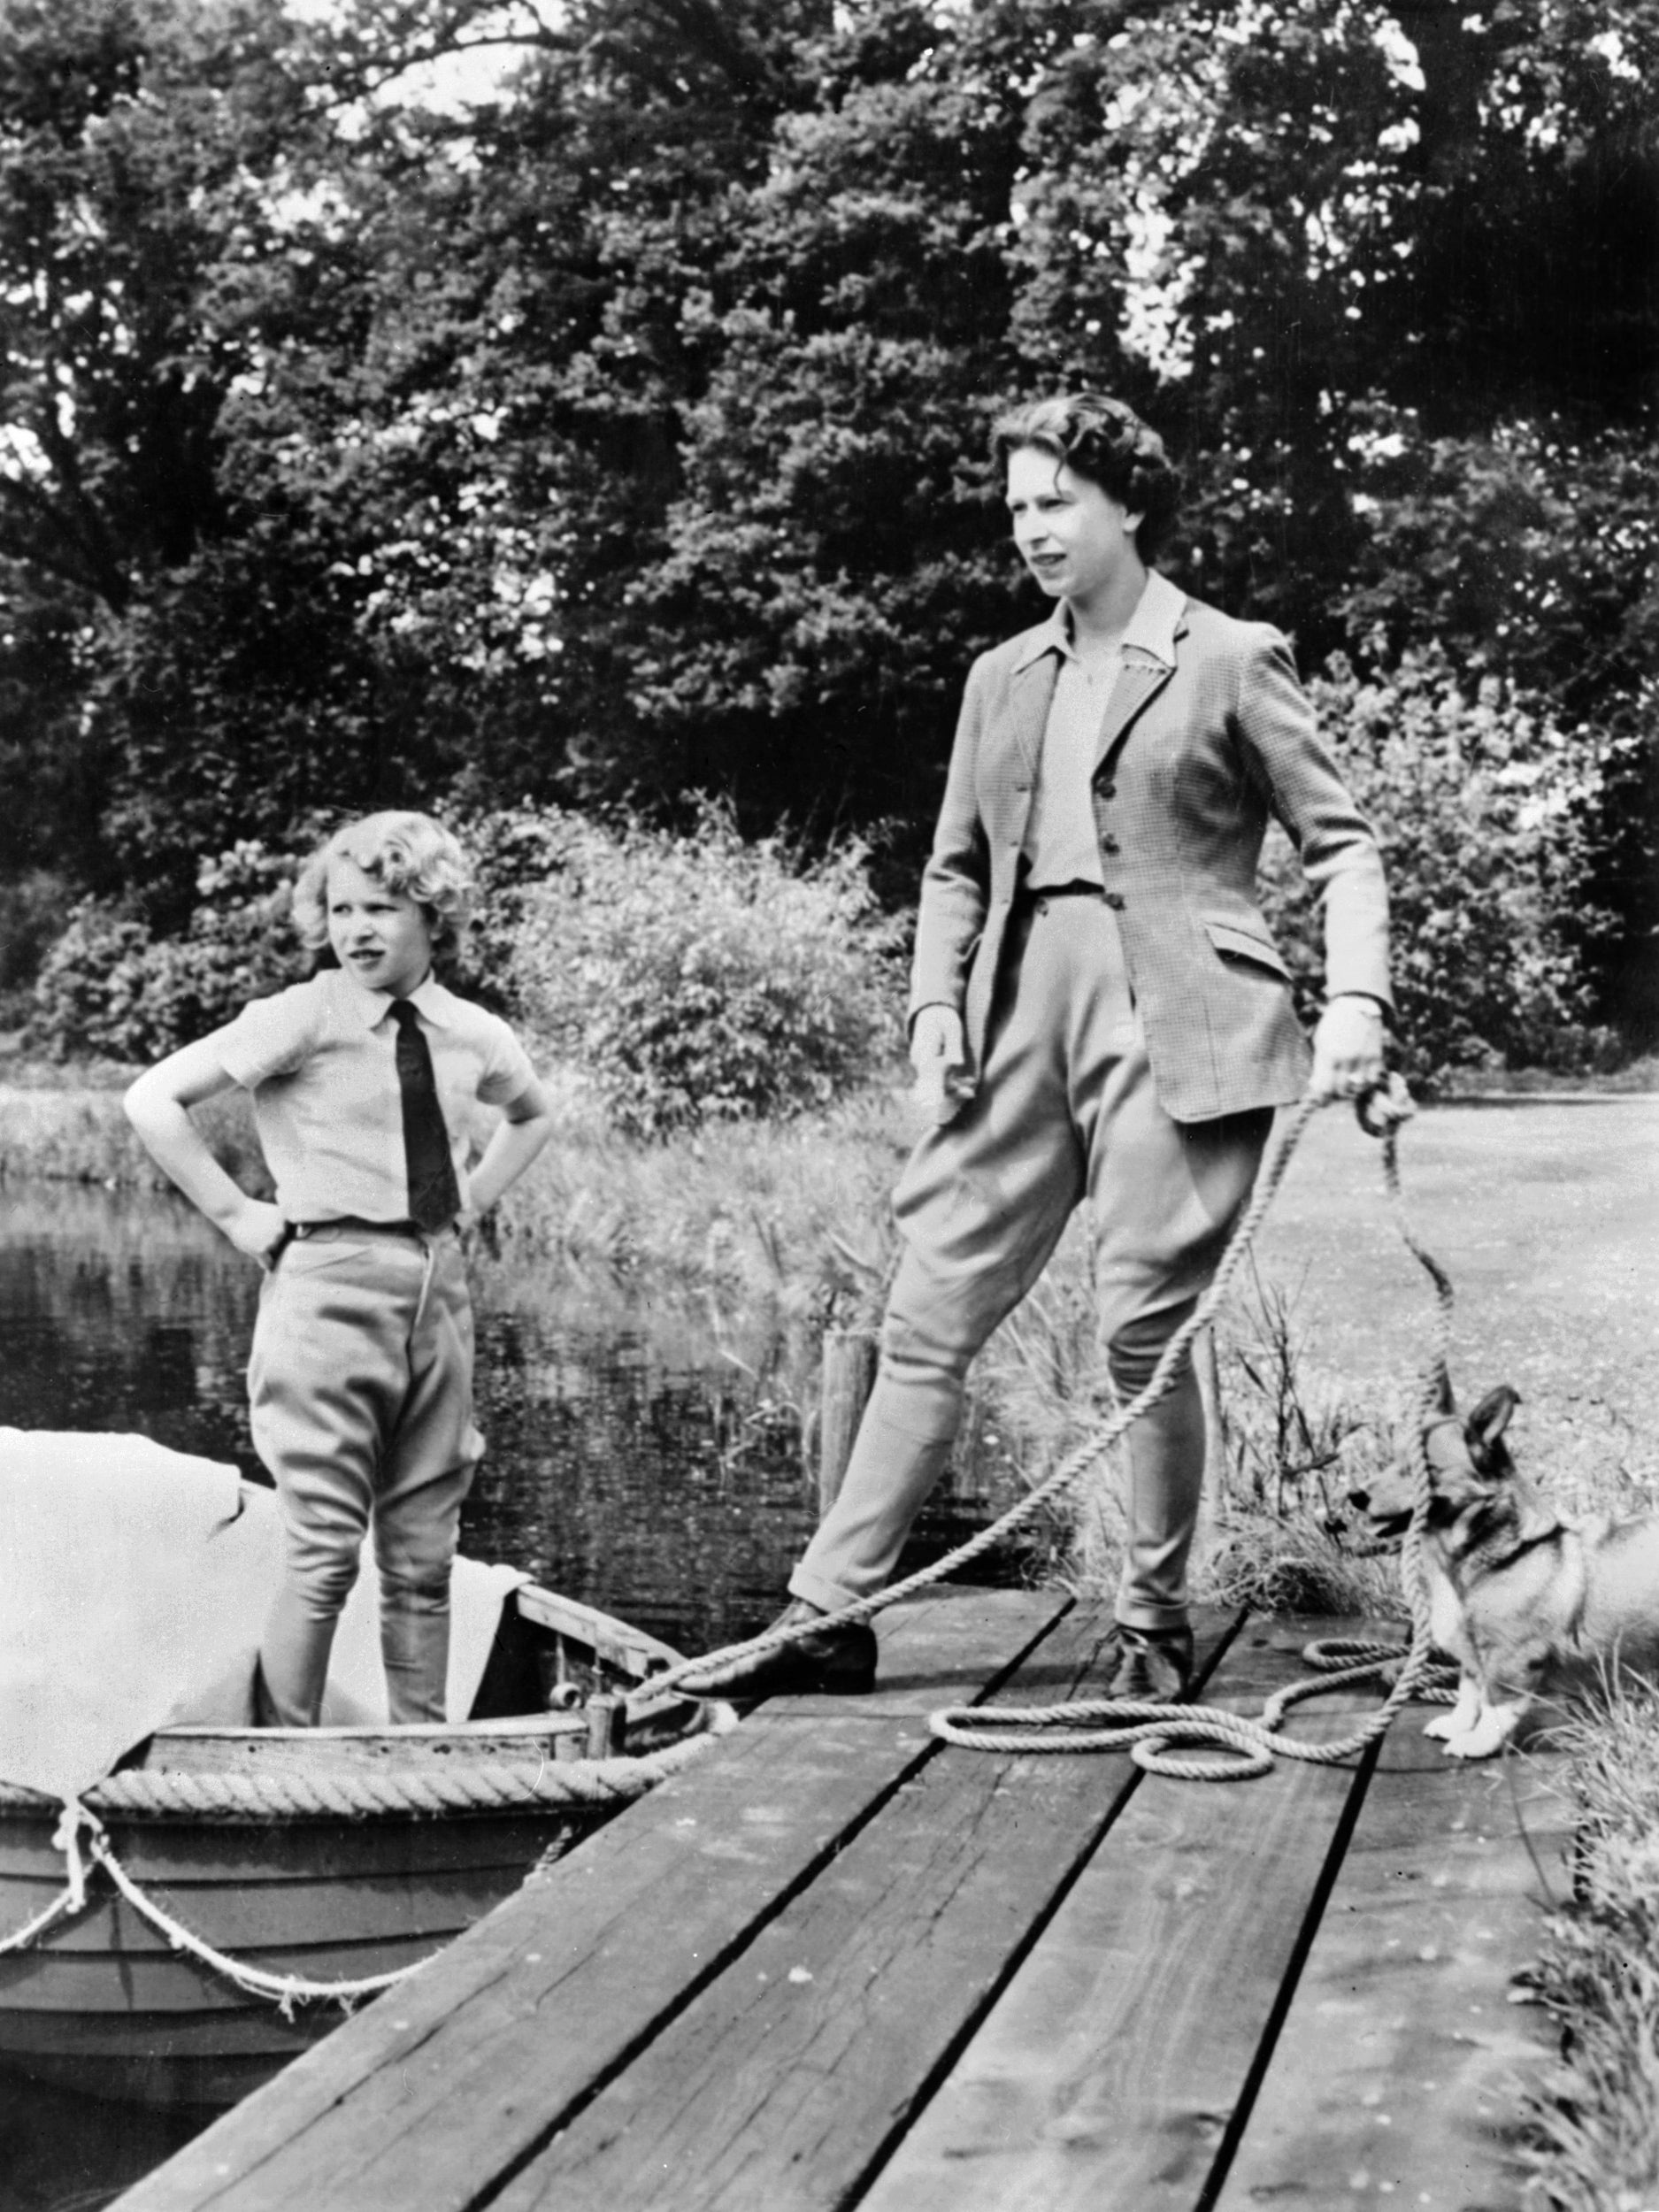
(321, 1060)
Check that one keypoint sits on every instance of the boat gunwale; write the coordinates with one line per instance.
(629, 1655)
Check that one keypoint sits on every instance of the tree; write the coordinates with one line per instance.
(620, 434)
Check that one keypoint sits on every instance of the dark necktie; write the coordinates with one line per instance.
(434, 1197)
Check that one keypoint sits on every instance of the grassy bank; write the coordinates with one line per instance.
(1593, 2122)
(1545, 1214)
(792, 1213)
(80, 1135)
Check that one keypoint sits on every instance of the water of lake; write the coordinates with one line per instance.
(644, 1455)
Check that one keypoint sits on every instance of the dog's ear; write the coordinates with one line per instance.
(1483, 1431)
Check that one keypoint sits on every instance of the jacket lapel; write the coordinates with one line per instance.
(1139, 682)
(1030, 695)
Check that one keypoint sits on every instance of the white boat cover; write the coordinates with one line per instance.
(134, 1582)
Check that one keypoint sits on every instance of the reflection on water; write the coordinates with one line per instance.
(639, 1458)
(64, 2153)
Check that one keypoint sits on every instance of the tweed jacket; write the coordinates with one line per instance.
(1194, 755)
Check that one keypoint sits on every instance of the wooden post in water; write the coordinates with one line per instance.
(848, 1376)
(1217, 1495)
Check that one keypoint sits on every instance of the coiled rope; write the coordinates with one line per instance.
(1151, 1729)
(1147, 1731)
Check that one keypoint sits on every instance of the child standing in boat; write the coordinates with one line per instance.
(361, 1376)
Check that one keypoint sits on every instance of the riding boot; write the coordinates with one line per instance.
(415, 1652)
(294, 1656)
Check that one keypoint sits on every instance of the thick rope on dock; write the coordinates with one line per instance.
(1146, 1731)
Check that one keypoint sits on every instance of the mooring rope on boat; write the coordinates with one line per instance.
(496, 1786)
(69, 1900)
(591, 1784)
(1150, 1728)
(285, 1991)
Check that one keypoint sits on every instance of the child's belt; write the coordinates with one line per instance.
(358, 1226)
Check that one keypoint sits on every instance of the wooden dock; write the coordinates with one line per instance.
(840, 1964)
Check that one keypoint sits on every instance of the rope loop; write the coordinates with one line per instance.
(1252, 1746)
(1241, 1763)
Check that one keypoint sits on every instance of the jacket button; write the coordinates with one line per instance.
(1110, 845)
(1108, 790)
(1116, 901)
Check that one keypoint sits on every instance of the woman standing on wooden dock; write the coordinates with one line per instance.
(1099, 1014)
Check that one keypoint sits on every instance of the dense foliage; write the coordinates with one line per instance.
(111, 987)
(1481, 805)
(705, 976)
(615, 433)
(697, 976)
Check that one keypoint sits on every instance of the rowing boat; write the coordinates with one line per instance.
(314, 1857)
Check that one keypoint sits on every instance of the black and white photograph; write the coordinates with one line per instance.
(829, 1105)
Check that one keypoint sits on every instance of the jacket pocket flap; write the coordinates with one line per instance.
(1235, 943)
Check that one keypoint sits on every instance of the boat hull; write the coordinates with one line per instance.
(102, 2003)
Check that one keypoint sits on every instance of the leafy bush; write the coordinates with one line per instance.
(34, 909)
(108, 986)
(702, 978)
(1479, 802)
(515, 852)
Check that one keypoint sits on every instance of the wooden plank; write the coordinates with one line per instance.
(774, 2090)
(429, 2093)
(1269, 1652)
(1393, 2079)
(1107, 2073)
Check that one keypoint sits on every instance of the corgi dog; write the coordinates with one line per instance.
(1527, 1601)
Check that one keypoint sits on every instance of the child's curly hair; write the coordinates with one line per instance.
(405, 851)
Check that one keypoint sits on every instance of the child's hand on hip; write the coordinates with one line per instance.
(256, 1229)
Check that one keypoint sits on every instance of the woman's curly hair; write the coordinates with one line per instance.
(1106, 441)
(405, 851)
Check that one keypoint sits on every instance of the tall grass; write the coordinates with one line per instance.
(79, 1134)
(791, 1215)
(788, 1216)
(1593, 2121)
(777, 1230)
(1288, 1440)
